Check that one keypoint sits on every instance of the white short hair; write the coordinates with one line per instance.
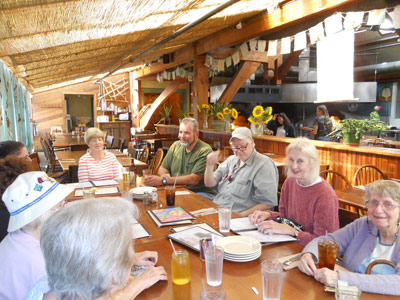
(87, 247)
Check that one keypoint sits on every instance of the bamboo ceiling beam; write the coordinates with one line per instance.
(245, 71)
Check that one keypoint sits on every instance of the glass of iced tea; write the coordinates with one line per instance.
(180, 267)
(327, 251)
(170, 195)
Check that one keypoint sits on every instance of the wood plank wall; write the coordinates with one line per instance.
(342, 158)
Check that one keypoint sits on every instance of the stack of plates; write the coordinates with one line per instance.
(240, 248)
(137, 193)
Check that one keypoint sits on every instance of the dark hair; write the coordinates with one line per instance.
(10, 168)
(10, 148)
(286, 120)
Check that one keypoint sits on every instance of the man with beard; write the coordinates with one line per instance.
(185, 161)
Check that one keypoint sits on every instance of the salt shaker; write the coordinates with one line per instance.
(147, 198)
(154, 197)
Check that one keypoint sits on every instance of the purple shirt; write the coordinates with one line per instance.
(22, 265)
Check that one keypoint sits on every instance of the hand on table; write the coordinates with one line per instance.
(148, 278)
(212, 158)
(326, 276)
(275, 227)
(258, 216)
(307, 264)
(152, 180)
(145, 258)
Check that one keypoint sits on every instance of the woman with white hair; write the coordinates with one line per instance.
(98, 164)
(31, 198)
(89, 254)
(306, 197)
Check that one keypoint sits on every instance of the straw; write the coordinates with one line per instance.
(176, 177)
(204, 285)
(173, 248)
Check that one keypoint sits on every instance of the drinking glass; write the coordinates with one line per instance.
(146, 173)
(224, 218)
(214, 261)
(213, 293)
(170, 195)
(89, 193)
(125, 175)
(180, 267)
(272, 273)
(327, 251)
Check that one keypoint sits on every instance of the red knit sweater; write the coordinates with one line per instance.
(315, 207)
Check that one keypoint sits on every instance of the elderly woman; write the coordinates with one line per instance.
(306, 197)
(247, 180)
(14, 148)
(281, 126)
(31, 198)
(364, 241)
(322, 124)
(98, 164)
(89, 254)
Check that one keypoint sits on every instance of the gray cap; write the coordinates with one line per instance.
(241, 133)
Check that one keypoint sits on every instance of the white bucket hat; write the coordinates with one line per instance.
(31, 195)
(241, 133)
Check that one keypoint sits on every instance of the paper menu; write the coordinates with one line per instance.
(104, 182)
(239, 224)
(267, 238)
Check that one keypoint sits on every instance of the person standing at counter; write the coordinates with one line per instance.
(185, 161)
(247, 180)
(322, 125)
(281, 126)
(306, 197)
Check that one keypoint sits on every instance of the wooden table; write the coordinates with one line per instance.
(157, 142)
(353, 198)
(67, 140)
(68, 158)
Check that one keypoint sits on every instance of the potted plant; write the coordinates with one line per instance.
(217, 113)
(180, 114)
(165, 114)
(260, 116)
(352, 130)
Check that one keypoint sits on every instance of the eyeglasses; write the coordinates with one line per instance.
(241, 148)
(386, 205)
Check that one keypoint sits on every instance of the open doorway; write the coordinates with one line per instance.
(79, 111)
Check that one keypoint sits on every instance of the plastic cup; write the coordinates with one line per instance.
(147, 173)
(214, 261)
(213, 293)
(170, 195)
(272, 273)
(89, 193)
(327, 251)
(224, 218)
(180, 267)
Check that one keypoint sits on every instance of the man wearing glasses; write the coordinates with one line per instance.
(247, 180)
(185, 161)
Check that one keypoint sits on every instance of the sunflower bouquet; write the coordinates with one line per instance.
(260, 116)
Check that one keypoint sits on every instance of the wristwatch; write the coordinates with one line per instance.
(296, 233)
(164, 181)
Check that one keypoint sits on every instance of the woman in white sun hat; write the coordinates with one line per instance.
(30, 199)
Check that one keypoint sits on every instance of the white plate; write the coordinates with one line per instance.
(233, 256)
(138, 192)
(239, 245)
(244, 259)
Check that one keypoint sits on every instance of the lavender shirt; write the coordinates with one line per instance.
(22, 265)
(355, 244)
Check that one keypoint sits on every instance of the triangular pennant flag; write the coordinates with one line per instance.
(353, 19)
(158, 78)
(285, 45)
(236, 58)
(253, 45)
(190, 76)
(376, 17)
(272, 48)
(208, 61)
(316, 33)
(177, 71)
(395, 15)
(173, 75)
(300, 41)
(214, 63)
(165, 75)
(169, 75)
(228, 61)
(261, 45)
(333, 24)
(244, 49)
(221, 64)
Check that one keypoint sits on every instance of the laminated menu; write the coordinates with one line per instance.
(170, 216)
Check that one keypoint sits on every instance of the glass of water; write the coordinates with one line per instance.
(214, 261)
(272, 273)
(224, 218)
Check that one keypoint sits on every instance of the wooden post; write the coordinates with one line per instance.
(200, 87)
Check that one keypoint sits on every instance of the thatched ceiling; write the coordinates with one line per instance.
(46, 42)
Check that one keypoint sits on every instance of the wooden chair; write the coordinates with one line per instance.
(144, 156)
(73, 173)
(109, 141)
(367, 174)
(52, 163)
(347, 217)
(35, 164)
(379, 262)
(156, 161)
(121, 145)
(378, 142)
(336, 180)
(78, 147)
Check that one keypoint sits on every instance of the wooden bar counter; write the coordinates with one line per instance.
(341, 157)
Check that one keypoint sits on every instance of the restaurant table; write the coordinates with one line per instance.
(67, 140)
(68, 158)
(237, 279)
(157, 142)
(352, 199)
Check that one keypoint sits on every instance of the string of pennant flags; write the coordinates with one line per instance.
(330, 26)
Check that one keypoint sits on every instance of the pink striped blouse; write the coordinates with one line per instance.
(91, 169)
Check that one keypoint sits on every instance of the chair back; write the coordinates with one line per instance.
(35, 164)
(378, 142)
(121, 145)
(109, 141)
(73, 173)
(379, 262)
(144, 156)
(347, 216)
(367, 174)
(156, 161)
(55, 129)
(336, 180)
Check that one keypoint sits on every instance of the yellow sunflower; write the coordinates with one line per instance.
(220, 116)
(198, 108)
(227, 111)
(205, 106)
(258, 111)
(234, 113)
(268, 119)
(269, 110)
(251, 120)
